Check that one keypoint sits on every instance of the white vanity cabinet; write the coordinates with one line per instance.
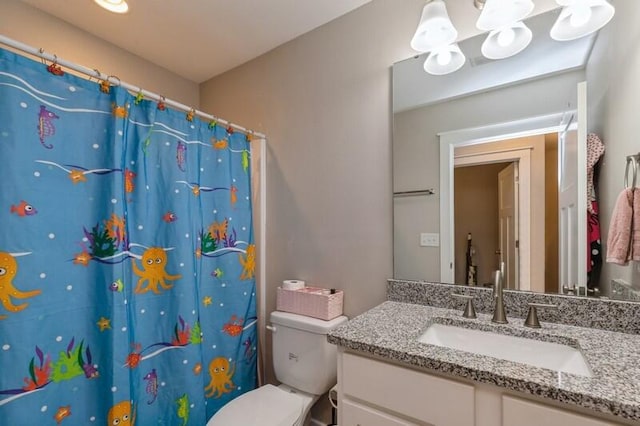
(518, 412)
(377, 393)
(400, 392)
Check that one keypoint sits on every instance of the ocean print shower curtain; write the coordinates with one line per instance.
(127, 291)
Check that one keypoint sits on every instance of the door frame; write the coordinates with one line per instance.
(533, 126)
(522, 156)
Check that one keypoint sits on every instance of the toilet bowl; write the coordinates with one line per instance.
(303, 361)
(266, 406)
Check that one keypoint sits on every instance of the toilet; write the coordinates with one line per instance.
(303, 361)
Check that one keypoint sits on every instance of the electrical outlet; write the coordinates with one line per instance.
(429, 240)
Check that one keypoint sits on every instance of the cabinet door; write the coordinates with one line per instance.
(517, 412)
(355, 414)
(426, 398)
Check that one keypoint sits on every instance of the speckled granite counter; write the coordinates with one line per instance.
(390, 331)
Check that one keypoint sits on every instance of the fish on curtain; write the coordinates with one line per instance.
(127, 288)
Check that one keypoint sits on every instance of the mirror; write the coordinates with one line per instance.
(534, 95)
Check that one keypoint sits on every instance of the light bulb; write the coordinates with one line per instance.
(506, 37)
(116, 6)
(444, 57)
(580, 15)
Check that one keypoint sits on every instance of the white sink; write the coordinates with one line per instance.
(553, 356)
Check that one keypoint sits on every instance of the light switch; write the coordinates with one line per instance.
(429, 240)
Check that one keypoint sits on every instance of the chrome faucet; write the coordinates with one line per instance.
(499, 315)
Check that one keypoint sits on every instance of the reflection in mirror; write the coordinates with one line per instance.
(452, 117)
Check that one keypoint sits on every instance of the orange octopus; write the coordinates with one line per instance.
(221, 374)
(154, 261)
(121, 414)
(8, 271)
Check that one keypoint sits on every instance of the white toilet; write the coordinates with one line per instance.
(305, 364)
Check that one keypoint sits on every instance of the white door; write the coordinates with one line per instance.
(572, 193)
(508, 201)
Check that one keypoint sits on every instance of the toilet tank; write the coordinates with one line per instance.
(302, 357)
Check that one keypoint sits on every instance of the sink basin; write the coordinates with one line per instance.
(553, 356)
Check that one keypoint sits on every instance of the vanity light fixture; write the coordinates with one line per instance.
(579, 18)
(435, 28)
(115, 6)
(508, 34)
(507, 41)
(444, 60)
(498, 14)
(437, 35)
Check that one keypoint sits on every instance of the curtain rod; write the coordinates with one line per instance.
(117, 82)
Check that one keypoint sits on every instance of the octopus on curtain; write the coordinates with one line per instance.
(121, 415)
(221, 378)
(154, 261)
(8, 271)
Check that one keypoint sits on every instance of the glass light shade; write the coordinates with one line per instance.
(435, 28)
(116, 6)
(507, 41)
(580, 18)
(444, 60)
(502, 13)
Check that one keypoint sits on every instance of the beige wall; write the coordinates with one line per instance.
(324, 101)
(28, 25)
(614, 103)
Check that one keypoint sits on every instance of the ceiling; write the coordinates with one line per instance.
(199, 39)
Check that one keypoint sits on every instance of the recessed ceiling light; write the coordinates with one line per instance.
(116, 6)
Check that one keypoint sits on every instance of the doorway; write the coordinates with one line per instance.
(505, 195)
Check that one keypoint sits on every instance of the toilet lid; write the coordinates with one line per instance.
(267, 405)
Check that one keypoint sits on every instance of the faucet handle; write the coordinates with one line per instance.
(532, 316)
(469, 310)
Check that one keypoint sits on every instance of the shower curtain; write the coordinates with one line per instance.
(127, 291)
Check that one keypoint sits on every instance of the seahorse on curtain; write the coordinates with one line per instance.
(45, 125)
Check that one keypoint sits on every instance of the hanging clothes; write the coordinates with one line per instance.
(594, 253)
(595, 151)
(127, 259)
(619, 240)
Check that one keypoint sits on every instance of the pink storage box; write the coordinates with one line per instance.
(314, 302)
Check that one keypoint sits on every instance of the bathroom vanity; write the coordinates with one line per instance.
(389, 376)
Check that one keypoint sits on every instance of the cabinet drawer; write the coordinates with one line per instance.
(518, 412)
(426, 398)
(355, 414)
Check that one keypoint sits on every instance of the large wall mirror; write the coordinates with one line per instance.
(486, 157)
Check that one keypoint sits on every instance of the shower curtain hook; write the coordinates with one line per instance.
(98, 74)
(54, 68)
(105, 87)
(191, 114)
(117, 78)
(139, 97)
(161, 105)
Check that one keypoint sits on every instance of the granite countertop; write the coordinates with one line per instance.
(390, 331)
